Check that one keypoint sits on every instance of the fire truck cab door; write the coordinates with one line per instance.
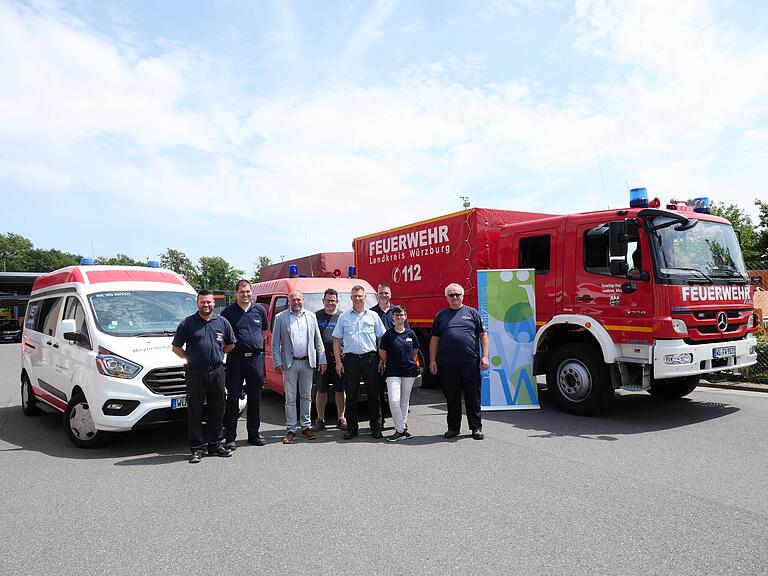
(623, 304)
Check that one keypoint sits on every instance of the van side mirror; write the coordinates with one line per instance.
(68, 325)
(617, 238)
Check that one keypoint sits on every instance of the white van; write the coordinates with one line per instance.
(97, 346)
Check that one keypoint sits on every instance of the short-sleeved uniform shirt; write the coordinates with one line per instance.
(248, 326)
(327, 322)
(205, 340)
(458, 331)
(399, 347)
(358, 332)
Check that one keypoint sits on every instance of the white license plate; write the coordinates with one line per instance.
(724, 352)
(178, 403)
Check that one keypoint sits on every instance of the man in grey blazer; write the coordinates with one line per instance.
(297, 350)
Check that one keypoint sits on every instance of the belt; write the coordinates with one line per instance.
(246, 354)
(299, 357)
(204, 367)
(363, 355)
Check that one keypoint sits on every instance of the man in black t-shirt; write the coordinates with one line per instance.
(326, 321)
(457, 337)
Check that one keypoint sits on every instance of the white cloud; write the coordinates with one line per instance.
(86, 113)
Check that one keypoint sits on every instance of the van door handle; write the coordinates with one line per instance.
(586, 298)
(55, 345)
(49, 342)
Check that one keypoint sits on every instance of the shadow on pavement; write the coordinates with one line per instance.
(629, 413)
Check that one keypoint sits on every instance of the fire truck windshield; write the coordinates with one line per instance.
(706, 253)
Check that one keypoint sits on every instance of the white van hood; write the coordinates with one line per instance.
(149, 351)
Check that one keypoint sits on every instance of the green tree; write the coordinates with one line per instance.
(14, 250)
(742, 224)
(215, 273)
(49, 260)
(119, 260)
(761, 235)
(258, 264)
(177, 261)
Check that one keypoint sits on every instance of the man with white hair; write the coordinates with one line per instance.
(459, 350)
(297, 351)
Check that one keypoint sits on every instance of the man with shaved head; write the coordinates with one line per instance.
(297, 351)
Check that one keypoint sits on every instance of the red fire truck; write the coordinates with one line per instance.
(639, 298)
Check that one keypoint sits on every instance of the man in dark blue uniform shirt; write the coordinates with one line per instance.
(457, 336)
(207, 337)
(246, 361)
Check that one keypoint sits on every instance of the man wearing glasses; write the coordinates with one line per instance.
(457, 337)
(327, 318)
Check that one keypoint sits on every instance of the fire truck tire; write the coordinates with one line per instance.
(578, 380)
(79, 424)
(28, 400)
(674, 387)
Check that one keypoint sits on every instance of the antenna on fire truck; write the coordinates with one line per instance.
(466, 201)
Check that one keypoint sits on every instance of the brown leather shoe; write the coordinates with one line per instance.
(289, 438)
(309, 434)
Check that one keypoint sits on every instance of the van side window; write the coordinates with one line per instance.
(74, 310)
(49, 315)
(534, 253)
(281, 303)
(31, 315)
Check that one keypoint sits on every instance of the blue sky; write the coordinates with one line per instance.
(250, 128)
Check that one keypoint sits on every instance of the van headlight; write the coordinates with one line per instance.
(116, 366)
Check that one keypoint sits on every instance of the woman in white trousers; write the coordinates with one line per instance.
(397, 355)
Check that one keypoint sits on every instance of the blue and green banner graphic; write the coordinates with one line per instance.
(507, 304)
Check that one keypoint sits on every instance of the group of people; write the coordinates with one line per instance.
(334, 351)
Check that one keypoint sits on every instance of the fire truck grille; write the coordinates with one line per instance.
(166, 381)
(704, 324)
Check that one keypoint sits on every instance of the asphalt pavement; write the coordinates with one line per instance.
(653, 487)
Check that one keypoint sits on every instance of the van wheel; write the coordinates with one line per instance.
(674, 387)
(578, 380)
(79, 424)
(28, 400)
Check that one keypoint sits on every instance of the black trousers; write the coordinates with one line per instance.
(356, 368)
(251, 369)
(457, 380)
(205, 384)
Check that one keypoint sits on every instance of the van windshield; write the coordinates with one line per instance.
(141, 313)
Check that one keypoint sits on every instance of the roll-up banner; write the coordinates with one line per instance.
(507, 305)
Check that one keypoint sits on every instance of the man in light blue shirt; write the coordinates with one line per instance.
(355, 346)
(297, 350)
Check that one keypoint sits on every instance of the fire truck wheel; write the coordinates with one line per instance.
(674, 387)
(578, 379)
(79, 424)
(28, 400)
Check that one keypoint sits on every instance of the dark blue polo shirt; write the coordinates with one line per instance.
(387, 317)
(399, 348)
(458, 331)
(205, 340)
(248, 326)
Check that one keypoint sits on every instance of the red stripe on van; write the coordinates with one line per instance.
(49, 280)
(100, 276)
(43, 395)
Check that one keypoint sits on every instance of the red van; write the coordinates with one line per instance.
(273, 295)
